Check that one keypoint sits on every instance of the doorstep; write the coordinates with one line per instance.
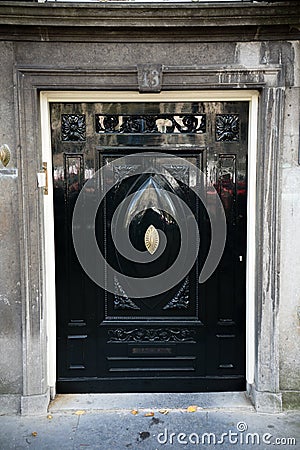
(109, 402)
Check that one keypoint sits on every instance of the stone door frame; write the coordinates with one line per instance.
(262, 88)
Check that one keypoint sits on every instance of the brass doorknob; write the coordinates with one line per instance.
(4, 154)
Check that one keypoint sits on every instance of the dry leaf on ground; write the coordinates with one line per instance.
(79, 412)
(149, 414)
(134, 412)
(192, 408)
(163, 411)
(34, 434)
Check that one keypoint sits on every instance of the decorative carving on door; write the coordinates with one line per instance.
(227, 127)
(151, 335)
(158, 123)
(123, 171)
(73, 127)
(122, 301)
(181, 299)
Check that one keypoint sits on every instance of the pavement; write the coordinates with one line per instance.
(152, 422)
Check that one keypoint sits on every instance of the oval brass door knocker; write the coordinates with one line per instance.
(151, 239)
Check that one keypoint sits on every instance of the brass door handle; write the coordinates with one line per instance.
(42, 178)
(45, 170)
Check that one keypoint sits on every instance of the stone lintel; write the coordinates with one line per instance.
(122, 14)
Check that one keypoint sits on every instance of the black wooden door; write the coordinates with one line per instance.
(191, 337)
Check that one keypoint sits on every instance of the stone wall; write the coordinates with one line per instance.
(289, 302)
(212, 49)
(11, 369)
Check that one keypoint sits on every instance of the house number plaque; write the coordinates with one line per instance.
(149, 77)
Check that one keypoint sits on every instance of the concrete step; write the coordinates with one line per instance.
(108, 402)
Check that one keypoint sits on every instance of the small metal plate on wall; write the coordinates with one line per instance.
(149, 77)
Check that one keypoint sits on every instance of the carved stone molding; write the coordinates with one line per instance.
(32, 80)
(187, 16)
(175, 77)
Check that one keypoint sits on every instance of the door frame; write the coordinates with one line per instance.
(47, 97)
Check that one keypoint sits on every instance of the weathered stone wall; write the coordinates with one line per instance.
(289, 301)
(278, 303)
(103, 55)
(10, 285)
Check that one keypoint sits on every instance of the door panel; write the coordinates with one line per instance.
(192, 337)
(167, 304)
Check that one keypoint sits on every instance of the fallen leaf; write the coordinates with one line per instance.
(49, 416)
(163, 411)
(79, 412)
(134, 412)
(34, 434)
(192, 408)
(149, 414)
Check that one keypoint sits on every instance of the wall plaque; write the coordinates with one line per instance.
(149, 77)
